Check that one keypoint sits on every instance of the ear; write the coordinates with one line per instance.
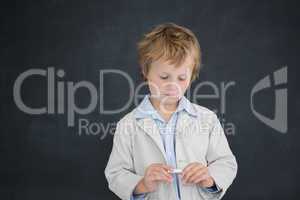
(144, 77)
(144, 74)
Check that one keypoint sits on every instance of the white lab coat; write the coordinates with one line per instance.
(137, 144)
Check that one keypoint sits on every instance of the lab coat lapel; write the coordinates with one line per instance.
(149, 126)
(184, 121)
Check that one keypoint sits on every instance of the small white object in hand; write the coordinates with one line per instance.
(176, 171)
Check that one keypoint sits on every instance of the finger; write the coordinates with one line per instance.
(189, 167)
(201, 173)
(166, 167)
(195, 174)
(163, 171)
(201, 178)
(161, 177)
(186, 169)
(191, 172)
(155, 166)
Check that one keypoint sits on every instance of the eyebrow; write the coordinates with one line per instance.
(166, 73)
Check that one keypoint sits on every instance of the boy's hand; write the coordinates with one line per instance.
(196, 173)
(154, 173)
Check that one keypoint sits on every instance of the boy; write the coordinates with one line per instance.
(168, 147)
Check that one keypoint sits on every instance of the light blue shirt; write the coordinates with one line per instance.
(167, 132)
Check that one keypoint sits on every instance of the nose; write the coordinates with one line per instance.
(172, 86)
(173, 82)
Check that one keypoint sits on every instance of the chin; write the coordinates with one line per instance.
(170, 99)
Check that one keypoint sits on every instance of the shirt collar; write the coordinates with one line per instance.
(146, 109)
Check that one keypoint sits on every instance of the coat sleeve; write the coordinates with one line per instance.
(119, 171)
(221, 162)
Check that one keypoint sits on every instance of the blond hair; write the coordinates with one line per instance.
(171, 42)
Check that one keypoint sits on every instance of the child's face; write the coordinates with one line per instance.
(168, 83)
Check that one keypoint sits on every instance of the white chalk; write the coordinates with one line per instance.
(176, 171)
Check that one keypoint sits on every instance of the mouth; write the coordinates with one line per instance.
(171, 94)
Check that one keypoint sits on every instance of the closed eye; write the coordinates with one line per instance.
(182, 78)
(164, 77)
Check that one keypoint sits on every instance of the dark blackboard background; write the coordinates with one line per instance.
(243, 41)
